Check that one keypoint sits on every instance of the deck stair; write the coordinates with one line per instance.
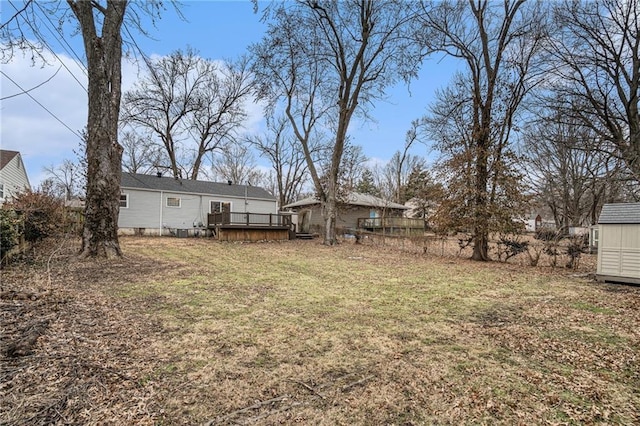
(304, 236)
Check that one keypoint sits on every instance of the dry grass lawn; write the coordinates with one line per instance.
(192, 331)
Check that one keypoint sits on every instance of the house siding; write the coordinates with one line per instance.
(13, 177)
(148, 209)
(347, 218)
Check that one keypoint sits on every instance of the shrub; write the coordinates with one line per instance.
(9, 231)
(509, 247)
(42, 214)
(546, 234)
(577, 244)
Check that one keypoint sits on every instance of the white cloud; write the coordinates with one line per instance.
(27, 127)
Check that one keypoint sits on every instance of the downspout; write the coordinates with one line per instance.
(160, 229)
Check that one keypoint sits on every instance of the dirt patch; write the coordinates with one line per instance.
(70, 354)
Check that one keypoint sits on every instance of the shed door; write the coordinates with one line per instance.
(619, 250)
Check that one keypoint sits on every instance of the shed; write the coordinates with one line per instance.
(619, 243)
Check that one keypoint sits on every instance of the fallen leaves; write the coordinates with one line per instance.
(188, 331)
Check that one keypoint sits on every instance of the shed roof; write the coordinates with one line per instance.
(620, 213)
(155, 183)
(6, 156)
(353, 198)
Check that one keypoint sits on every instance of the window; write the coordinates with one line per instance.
(1, 191)
(173, 202)
(124, 201)
(219, 207)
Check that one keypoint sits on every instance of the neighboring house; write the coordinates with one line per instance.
(13, 176)
(159, 205)
(619, 243)
(533, 222)
(357, 211)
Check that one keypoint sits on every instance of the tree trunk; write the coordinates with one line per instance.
(104, 153)
(481, 231)
(481, 219)
(329, 213)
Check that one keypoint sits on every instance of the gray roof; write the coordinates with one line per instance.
(354, 199)
(6, 156)
(620, 213)
(155, 183)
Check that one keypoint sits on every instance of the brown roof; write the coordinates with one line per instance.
(6, 156)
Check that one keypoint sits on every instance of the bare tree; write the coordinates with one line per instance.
(332, 59)
(598, 72)
(397, 171)
(66, 179)
(352, 165)
(284, 73)
(221, 110)
(192, 105)
(19, 32)
(498, 43)
(571, 175)
(139, 155)
(286, 158)
(162, 101)
(237, 164)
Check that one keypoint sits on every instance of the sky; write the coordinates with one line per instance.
(44, 124)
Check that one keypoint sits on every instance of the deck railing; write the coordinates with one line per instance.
(390, 222)
(249, 219)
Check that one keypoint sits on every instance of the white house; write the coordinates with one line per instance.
(13, 176)
(158, 205)
(619, 243)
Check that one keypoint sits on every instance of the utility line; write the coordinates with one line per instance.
(33, 88)
(69, 49)
(145, 58)
(42, 106)
(37, 34)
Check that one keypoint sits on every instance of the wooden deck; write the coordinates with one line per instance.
(235, 226)
(392, 225)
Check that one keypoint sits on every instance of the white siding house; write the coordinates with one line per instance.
(164, 205)
(619, 243)
(13, 176)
